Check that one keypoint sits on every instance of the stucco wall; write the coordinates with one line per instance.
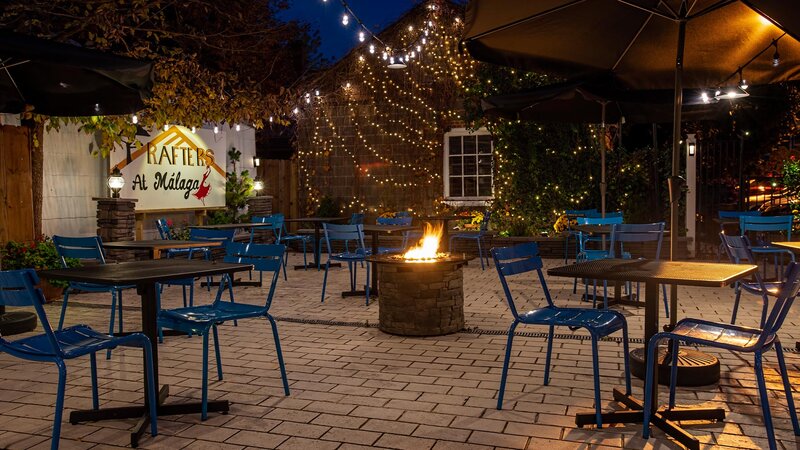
(72, 176)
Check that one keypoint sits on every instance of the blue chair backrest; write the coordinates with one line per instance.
(393, 220)
(85, 248)
(202, 234)
(783, 304)
(636, 232)
(581, 212)
(274, 221)
(18, 288)
(334, 232)
(767, 224)
(263, 257)
(163, 228)
(738, 249)
(737, 214)
(516, 260)
(356, 218)
(599, 220)
(609, 214)
(485, 222)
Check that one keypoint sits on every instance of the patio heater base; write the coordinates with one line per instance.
(17, 322)
(695, 368)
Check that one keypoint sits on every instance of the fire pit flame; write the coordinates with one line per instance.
(428, 246)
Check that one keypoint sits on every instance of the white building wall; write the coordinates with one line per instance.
(72, 176)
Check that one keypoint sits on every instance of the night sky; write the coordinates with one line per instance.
(337, 39)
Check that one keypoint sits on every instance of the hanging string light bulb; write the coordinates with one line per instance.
(345, 19)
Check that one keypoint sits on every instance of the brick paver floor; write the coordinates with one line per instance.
(353, 386)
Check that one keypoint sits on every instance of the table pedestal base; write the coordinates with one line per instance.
(695, 368)
(141, 411)
(665, 419)
(16, 322)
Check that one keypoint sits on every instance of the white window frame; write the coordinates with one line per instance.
(464, 201)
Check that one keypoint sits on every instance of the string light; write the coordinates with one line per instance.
(134, 119)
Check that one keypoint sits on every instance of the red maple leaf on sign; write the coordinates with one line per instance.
(204, 189)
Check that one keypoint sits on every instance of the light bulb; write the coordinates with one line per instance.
(361, 36)
(419, 48)
(194, 130)
(270, 119)
(743, 84)
(371, 48)
(316, 92)
(296, 110)
(345, 19)
(135, 119)
(704, 97)
(238, 127)
(166, 127)
(216, 129)
(424, 41)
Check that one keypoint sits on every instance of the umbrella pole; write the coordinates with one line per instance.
(676, 140)
(603, 162)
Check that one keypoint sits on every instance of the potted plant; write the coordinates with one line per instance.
(39, 254)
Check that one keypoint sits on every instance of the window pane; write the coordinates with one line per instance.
(455, 165)
(470, 145)
(455, 187)
(485, 186)
(485, 165)
(455, 145)
(470, 165)
(470, 187)
(484, 143)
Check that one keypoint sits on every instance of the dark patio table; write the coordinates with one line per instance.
(232, 226)
(317, 223)
(145, 275)
(652, 274)
(155, 246)
(376, 231)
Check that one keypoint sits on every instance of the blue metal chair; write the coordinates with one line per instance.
(764, 228)
(355, 219)
(738, 250)
(638, 233)
(478, 237)
(277, 226)
(574, 214)
(736, 339)
(206, 235)
(346, 233)
(200, 320)
(286, 238)
(163, 232)
(525, 258)
(731, 215)
(17, 288)
(585, 253)
(88, 249)
(400, 220)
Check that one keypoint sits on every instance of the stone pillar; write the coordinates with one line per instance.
(260, 205)
(116, 221)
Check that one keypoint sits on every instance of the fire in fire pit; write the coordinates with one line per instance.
(427, 249)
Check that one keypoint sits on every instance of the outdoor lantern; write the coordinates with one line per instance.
(258, 185)
(396, 62)
(691, 145)
(692, 148)
(256, 161)
(115, 182)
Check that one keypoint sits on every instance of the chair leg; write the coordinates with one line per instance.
(566, 248)
(503, 376)
(119, 305)
(480, 253)
(63, 309)
(191, 294)
(736, 304)
(325, 279)
(762, 392)
(549, 354)
(626, 358)
(93, 374)
(204, 395)
(305, 259)
(787, 387)
(183, 288)
(216, 352)
(285, 263)
(366, 283)
(664, 292)
(764, 310)
(596, 369)
(279, 353)
(228, 280)
(111, 322)
(62, 381)
(673, 372)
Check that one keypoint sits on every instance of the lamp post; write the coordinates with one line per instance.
(258, 185)
(115, 182)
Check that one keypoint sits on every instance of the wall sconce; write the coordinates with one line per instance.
(256, 161)
(115, 182)
(691, 145)
(692, 149)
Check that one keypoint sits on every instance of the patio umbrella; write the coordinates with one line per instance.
(601, 99)
(66, 80)
(646, 44)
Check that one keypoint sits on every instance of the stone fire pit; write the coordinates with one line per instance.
(420, 298)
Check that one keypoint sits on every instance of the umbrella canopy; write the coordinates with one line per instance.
(582, 101)
(646, 44)
(638, 39)
(66, 80)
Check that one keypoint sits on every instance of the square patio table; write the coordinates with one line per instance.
(652, 274)
(145, 275)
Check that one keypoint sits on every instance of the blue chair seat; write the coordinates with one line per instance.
(350, 256)
(772, 287)
(720, 335)
(602, 322)
(75, 341)
(196, 318)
